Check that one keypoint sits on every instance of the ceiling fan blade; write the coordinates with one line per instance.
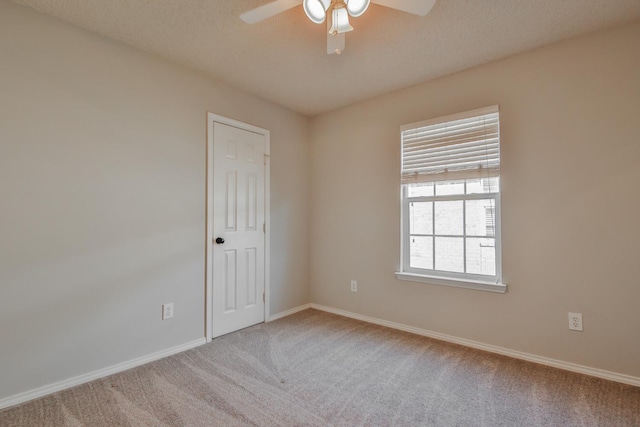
(416, 7)
(268, 10)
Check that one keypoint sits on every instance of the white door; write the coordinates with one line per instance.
(238, 229)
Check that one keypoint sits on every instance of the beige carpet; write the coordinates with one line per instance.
(319, 369)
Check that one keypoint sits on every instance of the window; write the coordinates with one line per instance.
(450, 185)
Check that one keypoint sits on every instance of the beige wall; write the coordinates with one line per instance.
(102, 192)
(570, 123)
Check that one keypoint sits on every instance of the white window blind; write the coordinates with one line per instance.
(455, 147)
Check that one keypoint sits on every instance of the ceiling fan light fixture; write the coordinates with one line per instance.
(316, 9)
(357, 7)
(340, 21)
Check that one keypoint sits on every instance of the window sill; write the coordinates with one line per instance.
(500, 288)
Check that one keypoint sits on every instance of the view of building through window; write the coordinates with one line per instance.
(453, 235)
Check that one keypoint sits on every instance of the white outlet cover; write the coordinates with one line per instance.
(575, 321)
(354, 286)
(167, 311)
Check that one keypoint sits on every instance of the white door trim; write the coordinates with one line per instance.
(211, 119)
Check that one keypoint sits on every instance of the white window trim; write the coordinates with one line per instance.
(500, 288)
(459, 280)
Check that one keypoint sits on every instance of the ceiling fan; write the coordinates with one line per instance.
(339, 10)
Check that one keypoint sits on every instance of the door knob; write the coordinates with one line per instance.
(219, 240)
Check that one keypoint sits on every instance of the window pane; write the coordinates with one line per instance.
(449, 256)
(421, 249)
(483, 185)
(421, 218)
(449, 218)
(481, 256)
(420, 190)
(480, 217)
(445, 188)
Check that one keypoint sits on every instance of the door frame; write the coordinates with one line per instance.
(208, 278)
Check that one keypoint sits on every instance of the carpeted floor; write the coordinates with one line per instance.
(319, 369)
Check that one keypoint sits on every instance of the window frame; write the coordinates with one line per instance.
(441, 277)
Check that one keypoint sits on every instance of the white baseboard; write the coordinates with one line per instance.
(573, 367)
(288, 312)
(81, 379)
(100, 373)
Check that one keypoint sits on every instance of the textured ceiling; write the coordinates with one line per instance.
(284, 58)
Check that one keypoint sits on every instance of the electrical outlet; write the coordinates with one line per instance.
(575, 321)
(167, 311)
(354, 286)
